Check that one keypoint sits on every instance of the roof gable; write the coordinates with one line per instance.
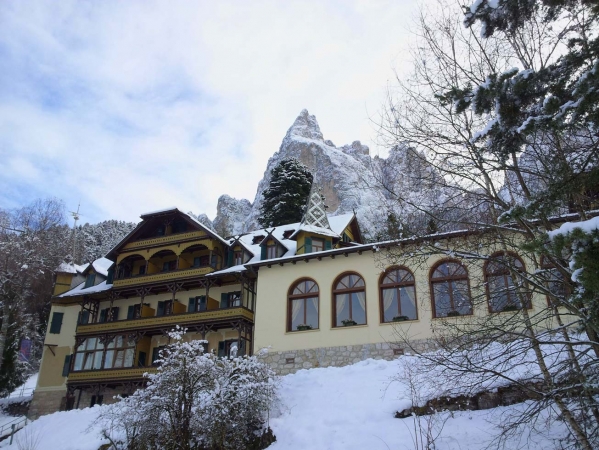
(154, 221)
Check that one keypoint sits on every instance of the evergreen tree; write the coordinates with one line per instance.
(286, 195)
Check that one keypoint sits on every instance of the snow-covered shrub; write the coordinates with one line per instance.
(194, 401)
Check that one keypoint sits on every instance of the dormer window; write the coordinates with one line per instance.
(317, 245)
(160, 231)
(258, 239)
(287, 234)
(237, 258)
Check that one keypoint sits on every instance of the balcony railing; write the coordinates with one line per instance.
(133, 373)
(162, 276)
(161, 240)
(159, 322)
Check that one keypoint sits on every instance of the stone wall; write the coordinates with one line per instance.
(46, 402)
(284, 363)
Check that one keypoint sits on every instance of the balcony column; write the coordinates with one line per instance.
(147, 267)
(142, 292)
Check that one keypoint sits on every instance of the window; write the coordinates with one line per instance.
(237, 258)
(230, 299)
(450, 290)
(201, 261)
(89, 355)
(317, 245)
(197, 304)
(89, 281)
(56, 323)
(169, 265)
(142, 269)
(349, 300)
(271, 251)
(134, 311)
(165, 308)
(501, 291)
(230, 347)
(109, 314)
(398, 295)
(120, 352)
(302, 306)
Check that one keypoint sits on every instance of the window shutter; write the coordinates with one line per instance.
(66, 366)
(308, 245)
(202, 303)
(110, 278)
(131, 312)
(192, 305)
(141, 359)
(263, 251)
(103, 315)
(160, 310)
(224, 300)
(56, 323)
(229, 258)
(327, 244)
(213, 261)
(221, 349)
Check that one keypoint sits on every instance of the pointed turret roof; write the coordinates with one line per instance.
(316, 213)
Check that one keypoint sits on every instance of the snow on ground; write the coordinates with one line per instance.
(331, 408)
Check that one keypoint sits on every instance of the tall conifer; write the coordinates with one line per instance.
(286, 195)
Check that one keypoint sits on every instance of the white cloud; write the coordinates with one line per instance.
(131, 106)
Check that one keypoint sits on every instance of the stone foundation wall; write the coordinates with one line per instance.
(46, 402)
(86, 397)
(284, 363)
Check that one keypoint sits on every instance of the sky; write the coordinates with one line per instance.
(132, 106)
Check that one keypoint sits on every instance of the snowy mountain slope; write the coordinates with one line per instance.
(350, 179)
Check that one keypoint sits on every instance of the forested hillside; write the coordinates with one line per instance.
(34, 240)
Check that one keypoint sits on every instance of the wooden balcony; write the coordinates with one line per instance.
(158, 323)
(164, 240)
(173, 275)
(132, 373)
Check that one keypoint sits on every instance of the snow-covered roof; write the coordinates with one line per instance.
(65, 267)
(82, 290)
(158, 211)
(338, 224)
(80, 268)
(316, 230)
(101, 265)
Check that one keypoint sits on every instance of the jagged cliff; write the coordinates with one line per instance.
(350, 179)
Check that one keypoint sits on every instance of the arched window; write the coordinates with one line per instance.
(501, 292)
(349, 300)
(450, 289)
(302, 308)
(398, 295)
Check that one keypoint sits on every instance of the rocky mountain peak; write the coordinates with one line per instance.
(305, 126)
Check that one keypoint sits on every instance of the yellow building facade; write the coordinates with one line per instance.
(311, 293)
